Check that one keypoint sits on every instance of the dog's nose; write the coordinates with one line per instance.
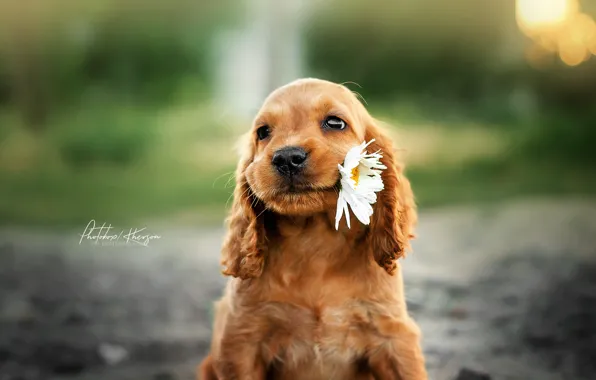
(290, 160)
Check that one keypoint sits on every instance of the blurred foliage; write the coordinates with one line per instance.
(112, 137)
(116, 162)
(426, 47)
(563, 138)
(138, 50)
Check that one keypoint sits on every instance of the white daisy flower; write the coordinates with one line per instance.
(360, 181)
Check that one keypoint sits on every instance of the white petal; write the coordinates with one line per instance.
(369, 187)
(346, 178)
(372, 163)
(370, 197)
(364, 146)
(366, 171)
(362, 210)
(340, 208)
(369, 184)
(352, 158)
(347, 214)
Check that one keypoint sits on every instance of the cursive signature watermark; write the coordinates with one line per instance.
(106, 234)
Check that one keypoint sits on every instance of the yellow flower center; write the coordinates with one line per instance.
(355, 175)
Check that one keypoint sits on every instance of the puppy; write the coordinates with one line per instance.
(307, 301)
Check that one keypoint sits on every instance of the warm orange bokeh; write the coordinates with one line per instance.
(557, 26)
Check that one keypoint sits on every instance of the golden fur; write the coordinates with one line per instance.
(307, 302)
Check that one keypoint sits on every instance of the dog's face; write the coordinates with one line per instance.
(289, 167)
(300, 135)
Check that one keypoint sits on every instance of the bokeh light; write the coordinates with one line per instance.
(544, 13)
(557, 26)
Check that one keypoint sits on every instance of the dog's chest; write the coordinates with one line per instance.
(328, 340)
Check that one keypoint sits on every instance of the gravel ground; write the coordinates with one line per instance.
(508, 291)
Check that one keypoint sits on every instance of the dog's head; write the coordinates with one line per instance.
(289, 166)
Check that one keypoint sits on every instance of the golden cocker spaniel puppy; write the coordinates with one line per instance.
(307, 301)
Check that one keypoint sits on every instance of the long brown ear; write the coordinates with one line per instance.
(394, 217)
(243, 251)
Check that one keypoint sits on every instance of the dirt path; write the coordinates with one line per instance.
(509, 290)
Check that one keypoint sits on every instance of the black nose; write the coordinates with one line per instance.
(289, 160)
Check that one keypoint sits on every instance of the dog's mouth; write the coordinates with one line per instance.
(305, 189)
(299, 198)
(299, 186)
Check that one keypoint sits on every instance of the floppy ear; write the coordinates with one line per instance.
(243, 252)
(394, 217)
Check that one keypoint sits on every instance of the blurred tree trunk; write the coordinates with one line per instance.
(262, 54)
(285, 41)
(22, 31)
(29, 81)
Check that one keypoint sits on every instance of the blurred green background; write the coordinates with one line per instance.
(128, 110)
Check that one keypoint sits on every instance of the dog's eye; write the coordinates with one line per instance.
(263, 132)
(334, 122)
